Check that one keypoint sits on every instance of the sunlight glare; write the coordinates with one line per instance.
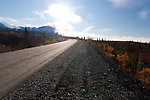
(62, 13)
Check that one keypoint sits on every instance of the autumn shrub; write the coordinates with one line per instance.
(123, 59)
(126, 54)
(144, 77)
(110, 49)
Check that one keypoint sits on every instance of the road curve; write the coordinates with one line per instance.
(17, 65)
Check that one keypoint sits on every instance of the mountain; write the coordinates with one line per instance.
(5, 25)
(33, 30)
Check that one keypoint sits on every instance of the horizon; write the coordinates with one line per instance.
(121, 20)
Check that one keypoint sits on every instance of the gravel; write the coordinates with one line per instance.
(80, 73)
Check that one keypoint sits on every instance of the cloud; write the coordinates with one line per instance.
(1, 18)
(119, 3)
(87, 29)
(41, 14)
(130, 38)
(62, 16)
(12, 20)
(114, 38)
(108, 37)
(63, 27)
(62, 13)
(9, 20)
(143, 15)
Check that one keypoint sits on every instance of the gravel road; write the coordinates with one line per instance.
(19, 65)
(80, 73)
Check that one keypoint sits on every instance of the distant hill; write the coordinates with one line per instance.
(4, 27)
(14, 38)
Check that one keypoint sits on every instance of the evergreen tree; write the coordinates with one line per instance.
(26, 31)
(26, 37)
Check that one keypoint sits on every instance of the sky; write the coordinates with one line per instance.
(108, 19)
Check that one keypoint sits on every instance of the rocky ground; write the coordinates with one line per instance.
(80, 73)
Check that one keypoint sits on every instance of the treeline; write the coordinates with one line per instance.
(10, 41)
(133, 57)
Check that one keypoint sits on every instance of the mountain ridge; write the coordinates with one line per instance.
(20, 29)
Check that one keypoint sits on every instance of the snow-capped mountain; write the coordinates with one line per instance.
(7, 28)
(5, 25)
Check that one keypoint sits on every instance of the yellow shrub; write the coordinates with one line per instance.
(123, 59)
(111, 56)
(110, 49)
(144, 77)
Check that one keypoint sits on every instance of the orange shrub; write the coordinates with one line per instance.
(144, 77)
(110, 49)
(123, 59)
(111, 56)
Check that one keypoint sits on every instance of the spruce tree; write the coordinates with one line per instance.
(26, 37)
(26, 31)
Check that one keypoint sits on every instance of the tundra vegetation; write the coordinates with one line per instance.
(10, 41)
(132, 57)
